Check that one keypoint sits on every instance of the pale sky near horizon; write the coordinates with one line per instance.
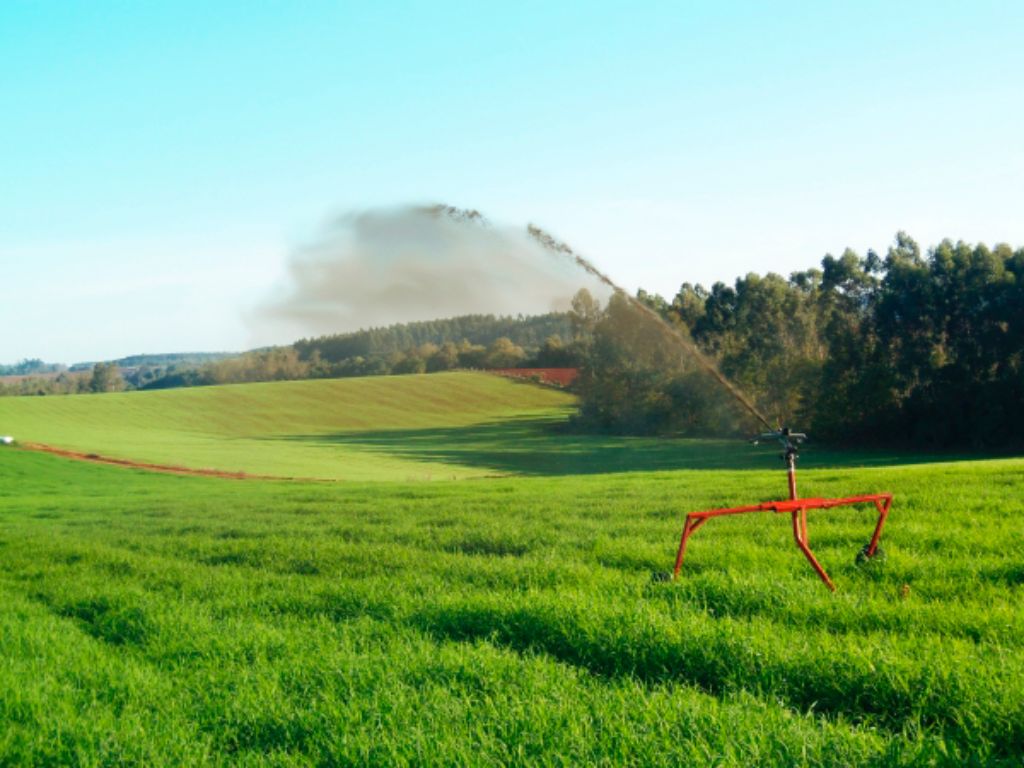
(160, 161)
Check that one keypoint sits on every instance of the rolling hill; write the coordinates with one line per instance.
(323, 429)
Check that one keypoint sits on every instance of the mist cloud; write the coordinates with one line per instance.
(384, 266)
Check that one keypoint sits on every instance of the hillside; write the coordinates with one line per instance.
(328, 429)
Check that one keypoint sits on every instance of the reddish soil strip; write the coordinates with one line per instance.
(561, 377)
(165, 468)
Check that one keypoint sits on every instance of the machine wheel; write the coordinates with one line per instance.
(863, 556)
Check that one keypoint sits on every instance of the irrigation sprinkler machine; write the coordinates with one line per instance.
(790, 441)
(794, 506)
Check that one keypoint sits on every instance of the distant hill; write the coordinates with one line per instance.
(528, 332)
(163, 360)
(467, 342)
(33, 367)
(341, 429)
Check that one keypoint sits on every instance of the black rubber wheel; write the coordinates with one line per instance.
(863, 556)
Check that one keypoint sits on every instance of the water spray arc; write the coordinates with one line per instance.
(558, 247)
(790, 441)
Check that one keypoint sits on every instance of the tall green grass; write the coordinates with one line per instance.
(161, 620)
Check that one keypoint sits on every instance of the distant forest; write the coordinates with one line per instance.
(35, 377)
(31, 368)
(484, 330)
(471, 341)
(911, 348)
(923, 350)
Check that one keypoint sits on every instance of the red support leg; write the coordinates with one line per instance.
(883, 512)
(800, 527)
(691, 525)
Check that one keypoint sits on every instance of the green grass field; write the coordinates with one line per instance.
(310, 429)
(442, 426)
(152, 619)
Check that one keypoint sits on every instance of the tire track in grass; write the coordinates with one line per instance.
(171, 469)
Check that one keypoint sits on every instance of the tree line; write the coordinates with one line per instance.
(906, 348)
(102, 377)
(530, 333)
(467, 342)
(283, 363)
(32, 367)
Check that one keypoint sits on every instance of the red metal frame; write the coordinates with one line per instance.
(798, 509)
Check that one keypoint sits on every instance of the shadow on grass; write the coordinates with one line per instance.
(541, 447)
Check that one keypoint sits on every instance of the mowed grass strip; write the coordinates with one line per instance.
(292, 429)
(165, 620)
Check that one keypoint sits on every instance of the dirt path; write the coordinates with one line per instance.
(164, 468)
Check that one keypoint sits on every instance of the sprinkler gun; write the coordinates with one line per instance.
(790, 444)
(797, 507)
(790, 440)
(790, 451)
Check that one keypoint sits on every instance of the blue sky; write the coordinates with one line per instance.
(160, 161)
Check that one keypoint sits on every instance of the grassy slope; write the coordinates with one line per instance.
(295, 429)
(382, 428)
(162, 620)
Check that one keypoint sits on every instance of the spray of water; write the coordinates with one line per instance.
(405, 264)
(562, 249)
